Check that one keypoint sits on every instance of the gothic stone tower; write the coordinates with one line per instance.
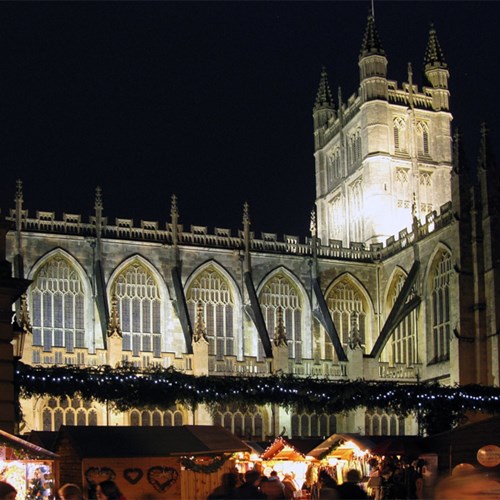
(385, 156)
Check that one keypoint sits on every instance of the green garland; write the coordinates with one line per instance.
(213, 466)
(128, 387)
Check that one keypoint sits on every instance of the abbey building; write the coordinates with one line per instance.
(399, 279)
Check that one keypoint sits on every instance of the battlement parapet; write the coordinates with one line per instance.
(150, 231)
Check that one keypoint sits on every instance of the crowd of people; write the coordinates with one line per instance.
(106, 490)
(255, 485)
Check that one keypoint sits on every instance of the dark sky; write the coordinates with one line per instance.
(211, 101)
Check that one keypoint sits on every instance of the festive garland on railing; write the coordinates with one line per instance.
(127, 387)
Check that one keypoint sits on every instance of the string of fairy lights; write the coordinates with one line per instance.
(128, 387)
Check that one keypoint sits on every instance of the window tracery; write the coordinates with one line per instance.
(58, 306)
(403, 344)
(381, 423)
(157, 418)
(399, 135)
(347, 308)
(243, 422)
(440, 306)
(63, 410)
(213, 292)
(278, 292)
(312, 425)
(139, 309)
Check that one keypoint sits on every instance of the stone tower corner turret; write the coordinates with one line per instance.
(436, 72)
(372, 64)
(323, 110)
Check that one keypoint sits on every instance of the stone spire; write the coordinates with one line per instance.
(371, 41)
(323, 110)
(434, 57)
(279, 331)
(324, 95)
(200, 330)
(372, 64)
(114, 329)
(436, 72)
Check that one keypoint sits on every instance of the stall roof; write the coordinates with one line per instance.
(460, 445)
(336, 440)
(134, 441)
(287, 449)
(27, 449)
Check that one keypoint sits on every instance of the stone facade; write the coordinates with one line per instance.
(381, 289)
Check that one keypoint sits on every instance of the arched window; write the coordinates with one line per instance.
(313, 425)
(440, 298)
(62, 410)
(58, 306)
(213, 292)
(426, 205)
(278, 292)
(356, 210)
(139, 310)
(403, 344)
(337, 218)
(402, 192)
(380, 423)
(348, 309)
(172, 417)
(246, 423)
(399, 131)
(422, 139)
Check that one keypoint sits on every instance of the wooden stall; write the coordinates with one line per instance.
(342, 452)
(31, 469)
(289, 456)
(184, 462)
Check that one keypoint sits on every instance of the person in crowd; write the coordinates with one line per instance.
(108, 490)
(227, 489)
(272, 486)
(351, 490)
(374, 485)
(250, 488)
(70, 491)
(289, 486)
(327, 486)
(311, 482)
(7, 491)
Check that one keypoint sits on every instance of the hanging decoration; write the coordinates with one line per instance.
(213, 464)
(163, 388)
(161, 478)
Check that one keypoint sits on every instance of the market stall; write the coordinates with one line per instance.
(342, 452)
(288, 457)
(27, 467)
(182, 462)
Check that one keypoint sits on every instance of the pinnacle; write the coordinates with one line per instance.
(324, 96)
(371, 41)
(433, 54)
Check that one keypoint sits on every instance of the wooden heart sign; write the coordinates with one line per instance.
(133, 475)
(96, 475)
(162, 478)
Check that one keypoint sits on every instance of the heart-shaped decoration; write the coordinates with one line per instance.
(96, 475)
(162, 478)
(133, 475)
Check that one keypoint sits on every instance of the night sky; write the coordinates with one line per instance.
(211, 101)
